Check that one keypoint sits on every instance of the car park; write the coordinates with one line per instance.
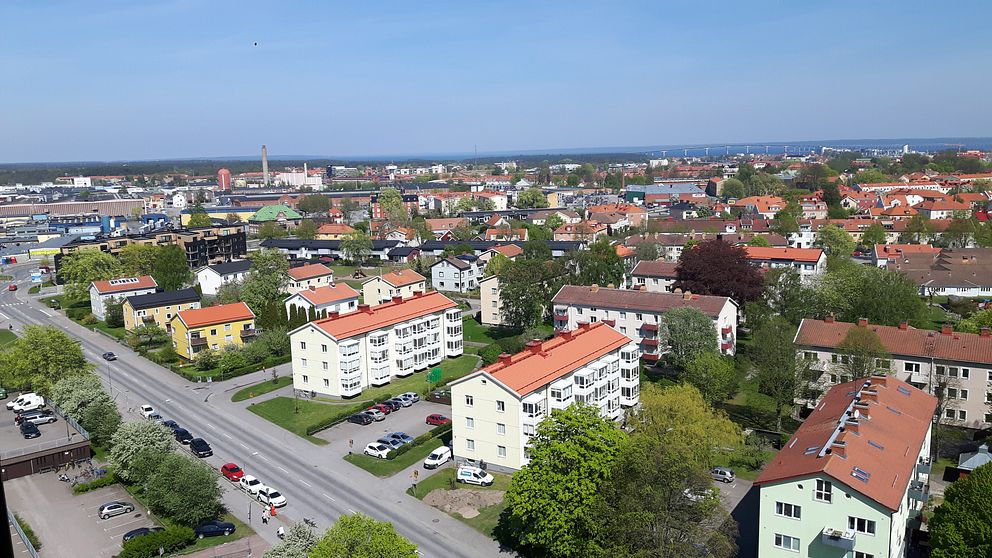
(250, 484)
(413, 396)
(437, 419)
(382, 408)
(19, 399)
(722, 474)
(213, 529)
(182, 436)
(438, 457)
(148, 411)
(270, 497)
(232, 472)
(402, 437)
(28, 402)
(474, 475)
(109, 356)
(389, 442)
(29, 430)
(140, 532)
(377, 450)
(111, 509)
(360, 418)
(200, 447)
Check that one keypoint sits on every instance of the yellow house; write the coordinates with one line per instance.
(158, 308)
(213, 328)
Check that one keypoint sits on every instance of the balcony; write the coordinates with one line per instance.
(245, 333)
(923, 468)
(919, 491)
(649, 342)
(650, 357)
(726, 346)
(649, 327)
(726, 330)
(197, 341)
(838, 538)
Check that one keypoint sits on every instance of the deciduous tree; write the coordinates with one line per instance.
(391, 206)
(712, 374)
(780, 372)
(314, 203)
(271, 229)
(199, 218)
(297, 543)
(690, 333)
(40, 357)
(835, 240)
(184, 491)
(532, 198)
(171, 268)
(527, 286)
(82, 267)
(307, 230)
(138, 259)
(960, 524)
(862, 351)
(135, 441)
(714, 267)
(360, 536)
(357, 246)
(874, 234)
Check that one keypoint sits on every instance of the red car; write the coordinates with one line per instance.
(12, 287)
(384, 409)
(232, 472)
(437, 419)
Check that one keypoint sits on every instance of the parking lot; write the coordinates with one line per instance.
(10, 433)
(411, 420)
(70, 525)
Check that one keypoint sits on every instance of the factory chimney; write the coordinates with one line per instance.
(265, 167)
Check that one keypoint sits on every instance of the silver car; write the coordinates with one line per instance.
(110, 509)
(722, 474)
(411, 395)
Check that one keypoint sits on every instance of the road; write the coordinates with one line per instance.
(318, 483)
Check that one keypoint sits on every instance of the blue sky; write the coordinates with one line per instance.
(92, 80)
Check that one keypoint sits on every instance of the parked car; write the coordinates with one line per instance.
(360, 418)
(29, 430)
(402, 437)
(109, 356)
(402, 402)
(20, 399)
(723, 474)
(141, 531)
(110, 509)
(377, 450)
(437, 419)
(148, 411)
(250, 484)
(173, 425)
(271, 497)
(232, 472)
(413, 396)
(389, 442)
(182, 436)
(213, 529)
(382, 408)
(200, 447)
(27, 402)
(3, 393)
(31, 416)
(474, 475)
(375, 414)
(393, 405)
(438, 457)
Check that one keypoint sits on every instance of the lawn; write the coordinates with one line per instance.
(241, 530)
(488, 517)
(451, 369)
(6, 336)
(282, 411)
(261, 388)
(475, 332)
(116, 332)
(751, 409)
(389, 467)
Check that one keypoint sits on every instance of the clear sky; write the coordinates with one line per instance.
(94, 80)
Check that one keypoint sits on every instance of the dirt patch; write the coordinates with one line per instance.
(463, 501)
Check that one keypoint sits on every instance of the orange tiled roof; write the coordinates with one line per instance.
(335, 228)
(384, 315)
(617, 208)
(402, 277)
(220, 314)
(508, 250)
(327, 294)
(125, 284)
(794, 254)
(309, 271)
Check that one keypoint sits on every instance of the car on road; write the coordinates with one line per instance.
(382, 408)
(413, 396)
(214, 528)
(182, 436)
(110, 509)
(22, 398)
(171, 424)
(402, 401)
(438, 457)
(360, 418)
(403, 437)
(377, 450)
(232, 472)
(37, 416)
(141, 531)
(250, 484)
(437, 419)
(200, 447)
(474, 475)
(271, 497)
(393, 405)
(11, 287)
(29, 430)
(723, 474)
(109, 356)
(148, 411)
(375, 414)
(389, 442)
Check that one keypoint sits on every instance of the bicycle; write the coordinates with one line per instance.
(310, 522)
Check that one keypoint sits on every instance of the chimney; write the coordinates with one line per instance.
(862, 409)
(879, 380)
(365, 308)
(862, 322)
(869, 395)
(904, 325)
(984, 331)
(312, 288)
(534, 345)
(851, 425)
(504, 358)
(396, 299)
(839, 447)
(686, 295)
(829, 319)
(946, 329)
(333, 315)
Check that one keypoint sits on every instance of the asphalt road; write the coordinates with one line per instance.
(317, 482)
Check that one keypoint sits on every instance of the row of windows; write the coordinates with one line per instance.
(623, 315)
(500, 450)
(470, 424)
(470, 402)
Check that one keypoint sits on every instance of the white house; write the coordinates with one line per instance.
(310, 275)
(459, 274)
(809, 262)
(383, 288)
(103, 292)
(656, 276)
(212, 277)
(336, 297)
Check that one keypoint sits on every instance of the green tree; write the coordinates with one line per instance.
(307, 230)
(82, 267)
(206, 360)
(862, 353)
(874, 234)
(884, 297)
(780, 372)
(757, 240)
(532, 198)
(271, 229)
(113, 314)
(314, 203)
(790, 297)
(74, 393)
(233, 218)
(732, 188)
(786, 221)
(496, 263)
(527, 286)
(690, 334)
(298, 542)
(183, 490)
(391, 206)
(975, 322)
(599, 264)
(917, 230)
(198, 217)
(870, 176)
(231, 359)
(646, 251)
(275, 341)
(357, 246)
(960, 524)
(101, 419)
(137, 441)
(835, 240)
(549, 502)
(553, 222)
(40, 357)
(138, 259)
(266, 280)
(171, 269)
(360, 536)
(712, 374)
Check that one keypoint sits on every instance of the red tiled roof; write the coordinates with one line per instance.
(447, 224)
(125, 284)
(402, 277)
(617, 208)
(309, 271)
(624, 252)
(335, 228)
(793, 254)
(899, 418)
(656, 268)
(211, 315)
(895, 250)
(943, 205)
(327, 294)
(384, 315)
(638, 301)
(508, 250)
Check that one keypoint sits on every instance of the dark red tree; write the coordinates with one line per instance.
(715, 267)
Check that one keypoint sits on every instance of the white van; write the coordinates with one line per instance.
(18, 400)
(474, 475)
(27, 402)
(438, 457)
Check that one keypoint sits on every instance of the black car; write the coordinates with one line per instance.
(360, 418)
(37, 416)
(171, 424)
(393, 405)
(109, 356)
(183, 436)
(200, 447)
(141, 531)
(29, 430)
(213, 529)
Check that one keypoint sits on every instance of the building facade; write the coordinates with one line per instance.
(212, 328)
(213, 277)
(310, 275)
(336, 297)
(459, 274)
(492, 302)
(116, 290)
(808, 262)
(402, 283)
(158, 308)
(654, 276)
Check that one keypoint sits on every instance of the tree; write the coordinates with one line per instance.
(298, 542)
(553, 222)
(917, 229)
(732, 188)
(780, 372)
(82, 267)
(171, 268)
(391, 206)
(496, 263)
(198, 217)
(537, 250)
(40, 357)
(714, 267)
(690, 334)
(789, 296)
(646, 251)
(184, 491)
(960, 524)
(307, 230)
(137, 441)
(870, 176)
(527, 286)
(114, 313)
(360, 536)
(759, 241)
(852, 291)
(357, 246)
(275, 341)
(531, 198)
(597, 265)
(862, 353)
(958, 233)
(101, 419)
(231, 359)
(975, 322)
(232, 218)
(786, 221)
(271, 229)
(74, 393)
(138, 259)
(266, 280)
(314, 203)
(549, 502)
(874, 234)
(712, 374)
(835, 240)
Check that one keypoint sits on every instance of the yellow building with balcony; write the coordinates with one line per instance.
(158, 308)
(212, 328)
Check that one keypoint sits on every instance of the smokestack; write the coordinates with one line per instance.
(265, 166)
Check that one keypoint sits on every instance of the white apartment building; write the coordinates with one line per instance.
(458, 274)
(809, 262)
(104, 292)
(637, 314)
(336, 297)
(212, 277)
(656, 276)
(496, 410)
(310, 275)
(402, 283)
(343, 354)
(492, 303)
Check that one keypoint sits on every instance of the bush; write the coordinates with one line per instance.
(255, 352)
(90, 319)
(206, 360)
(435, 432)
(171, 539)
(28, 532)
(339, 418)
(490, 353)
(232, 359)
(511, 345)
(106, 480)
(164, 356)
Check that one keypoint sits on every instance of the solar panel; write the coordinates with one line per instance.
(875, 444)
(903, 390)
(861, 474)
(894, 410)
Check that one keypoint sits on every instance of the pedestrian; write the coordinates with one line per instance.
(265, 516)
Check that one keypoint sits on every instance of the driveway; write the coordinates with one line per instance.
(411, 420)
(732, 494)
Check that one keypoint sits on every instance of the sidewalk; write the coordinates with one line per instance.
(241, 548)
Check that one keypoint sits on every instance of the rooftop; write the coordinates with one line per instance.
(402, 277)
(639, 301)
(319, 296)
(125, 284)
(368, 318)
(309, 271)
(273, 213)
(792, 254)
(220, 314)
(656, 268)
(165, 298)
(227, 268)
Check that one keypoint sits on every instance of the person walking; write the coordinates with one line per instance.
(265, 516)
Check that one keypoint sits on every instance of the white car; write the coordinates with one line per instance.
(148, 411)
(20, 400)
(250, 484)
(271, 497)
(412, 396)
(474, 475)
(377, 450)
(438, 457)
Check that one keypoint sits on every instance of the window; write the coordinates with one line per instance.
(323, 348)
(470, 445)
(963, 394)
(788, 510)
(469, 422)
(861, 525)
(324, 365)
(965, 373)
(440, 274)
(529, 430)
(303, 345)
(962, 414)
(809, 355)
(859, 554)
(469, 401)
(303, 362)
(639, 316)
(824, 491)
(213, 332)
(305, 379)
(623, 315)
(949, 413)
(327, 383)
(227, 327)
(787, 542)
(501, 451)
(500, 406)
(500, 428)
(912, 367)
(623, 329)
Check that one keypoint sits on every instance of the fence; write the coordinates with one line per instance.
(20, 533)
(50, 444)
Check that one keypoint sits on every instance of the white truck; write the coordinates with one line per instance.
(26, 402)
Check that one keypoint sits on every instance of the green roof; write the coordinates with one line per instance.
(271, 213)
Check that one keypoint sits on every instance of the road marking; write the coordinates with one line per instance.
(351, 510)
(283, 470)
(254, 453)
(263, 458)
(45, 313)
(306, 483)
(3, 316)
(228, 436)
(211, 426)
(328, 497)
(243, 445)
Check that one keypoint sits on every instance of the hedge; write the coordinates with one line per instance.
(106, 480)
(435, 432)
(28, 532)
(214, 373)
(170, 540)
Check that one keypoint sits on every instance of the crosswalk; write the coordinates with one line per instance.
(12, 303)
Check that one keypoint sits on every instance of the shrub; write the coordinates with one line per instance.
(490, 353)
(255, 352)
(171, 539)
(435, 432)
(28, 532)
(164, 356)
(106, 480)
(90, 319)
(511, 345)
(233, 359)
(206, 360)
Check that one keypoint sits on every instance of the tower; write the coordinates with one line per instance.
(265, 167)
(223, 180)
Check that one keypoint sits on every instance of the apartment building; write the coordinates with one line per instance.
(212, 328)
(336, 297)
(311, 275)
(343, 354)
(459, 274)
(213, 277)
(637, 314)
(853, 475)
(158, 308)
(116, 290)
(654, 276)
(383, 288)
(491, 300)
(963, 272)
(961, 363)
(203, 245)
(809, 262)
(495, 410)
